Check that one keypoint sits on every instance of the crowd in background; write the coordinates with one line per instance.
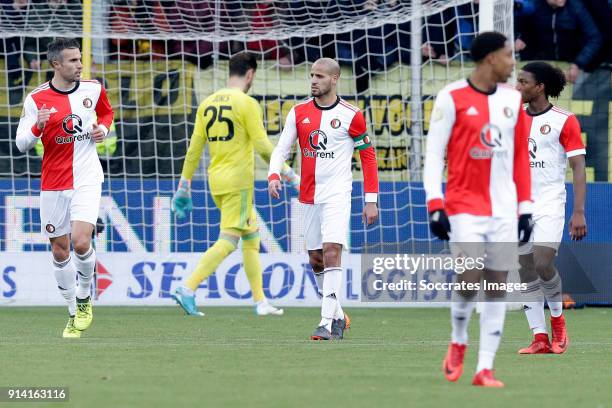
(576, 31)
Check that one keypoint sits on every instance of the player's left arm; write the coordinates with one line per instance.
(587, 25)
(522, 170)
(358, 131)
(522, 176)
(105, 114)
(572, 143)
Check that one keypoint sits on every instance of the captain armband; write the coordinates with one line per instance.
(362, 142)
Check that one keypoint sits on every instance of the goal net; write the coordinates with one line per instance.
(159, 59)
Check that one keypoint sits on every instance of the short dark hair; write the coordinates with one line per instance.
(240, 63)
(552, 77)
(55, 48)
(486, 43)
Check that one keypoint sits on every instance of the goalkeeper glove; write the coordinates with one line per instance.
(290, 177)
(525, 226)
(181, 201)
(439, 224)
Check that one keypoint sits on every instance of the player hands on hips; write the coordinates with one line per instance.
(231, 123)
(328, 130)
(554, 138)
(62, 114)
(479, 125)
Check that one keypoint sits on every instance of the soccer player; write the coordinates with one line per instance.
(70, 116)
(480, 124)
(554, 138)
(231, 123)
(328, 129)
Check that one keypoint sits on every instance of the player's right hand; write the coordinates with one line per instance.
(181, 201)
(274, 188)
(43, 117)
(577, 226)
(439, 224)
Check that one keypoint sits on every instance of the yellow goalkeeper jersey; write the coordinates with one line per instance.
(231, 122)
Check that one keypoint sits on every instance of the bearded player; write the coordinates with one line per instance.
(70, 116)
(328, 130)
(554, 139)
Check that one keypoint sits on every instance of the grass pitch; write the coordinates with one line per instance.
(157, 357)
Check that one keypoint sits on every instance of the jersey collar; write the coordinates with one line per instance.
(332, 106)
(550, 106)
(65, 92)
(480, 90)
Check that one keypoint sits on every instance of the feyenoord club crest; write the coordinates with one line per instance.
(545, 129)
(87, 103)
(335, 123)
(507, 112)
(50, 228)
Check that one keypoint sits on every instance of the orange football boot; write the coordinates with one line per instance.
(453, 361)
(485, 378)
(560, 341)
(539, 345)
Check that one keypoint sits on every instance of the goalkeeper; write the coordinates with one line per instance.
(231, 123)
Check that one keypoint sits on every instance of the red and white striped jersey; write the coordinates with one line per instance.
(327, 136)
(70, 158)
(485, 137)
(554, 137)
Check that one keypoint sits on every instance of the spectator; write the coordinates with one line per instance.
(384, 42)
(234, 17)
(132, 18)
(561, 30)
(49, 15)
(195, 17)
(299, 13)
(450, 32)
(601, 10)
(34, 16)
(262, 19)
(523, 10)
(373, 49)
(54, 15)
(14, 13)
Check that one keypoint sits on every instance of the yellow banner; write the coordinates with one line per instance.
(136, 89)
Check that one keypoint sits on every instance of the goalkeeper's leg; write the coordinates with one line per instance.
(233, 207)
(225, 245)
(253, 269)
